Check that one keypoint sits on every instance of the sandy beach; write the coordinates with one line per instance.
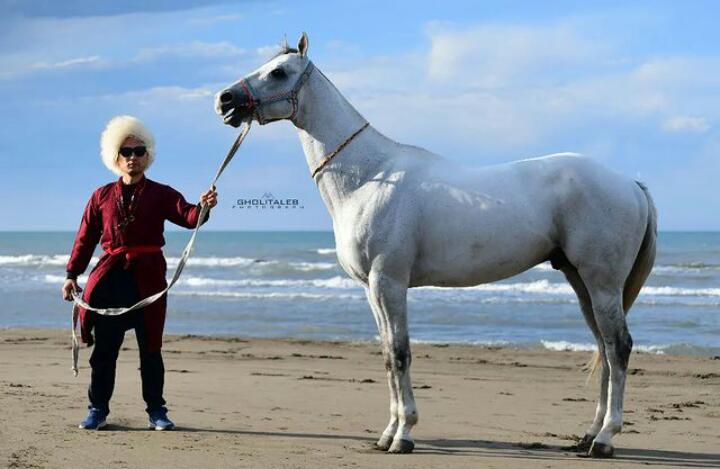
(293, 404)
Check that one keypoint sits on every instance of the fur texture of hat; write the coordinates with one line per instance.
(117, 130)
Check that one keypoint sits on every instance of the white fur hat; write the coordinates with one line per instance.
(117, 130)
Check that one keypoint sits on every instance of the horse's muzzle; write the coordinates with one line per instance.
(234, 105)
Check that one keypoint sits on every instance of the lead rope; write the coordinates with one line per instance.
(78, 301)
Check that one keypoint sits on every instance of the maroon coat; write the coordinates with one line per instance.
(100, 223)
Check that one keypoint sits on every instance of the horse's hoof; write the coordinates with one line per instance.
(584, 445)
(401, 447)
(383, 444)
(601, 451)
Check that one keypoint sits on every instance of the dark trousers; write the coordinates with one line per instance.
(118, 289)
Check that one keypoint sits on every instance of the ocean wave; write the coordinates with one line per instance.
(326, 251)
(172, 262)
(678, 269)
(309, 266)
(62, 260)
(561, 293)
(334, 282)
(482, 343)
(681, 268)
(37, 260)
(675, 291)
(688, 268)
(271, 296)
(546, 287)
(698, 265)
(564, 346)
(538, 286)
(59, 279)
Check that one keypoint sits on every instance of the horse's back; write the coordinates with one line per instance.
(478, 225)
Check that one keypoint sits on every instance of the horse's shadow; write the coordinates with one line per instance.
(485, 448)
(482, 448)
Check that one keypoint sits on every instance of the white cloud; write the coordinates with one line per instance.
(686, 124)
(499, 55)
(14, 66)
(76, 62)
(193, 49)
(197, 93)
(266, 52)
(229, 18)
(686, 193)
(159, 95)
(163, 99)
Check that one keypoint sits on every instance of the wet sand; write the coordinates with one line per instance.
(265, 403)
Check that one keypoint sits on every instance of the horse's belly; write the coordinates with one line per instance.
(478, 256)
(471, 272)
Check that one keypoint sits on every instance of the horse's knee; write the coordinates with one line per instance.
(398, 358)
(388, 363)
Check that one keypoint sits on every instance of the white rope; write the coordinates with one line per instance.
(77, 298)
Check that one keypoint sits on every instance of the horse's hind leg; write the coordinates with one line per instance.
(609, 315)
(572, 276)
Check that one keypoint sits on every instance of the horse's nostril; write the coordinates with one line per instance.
(226, 97)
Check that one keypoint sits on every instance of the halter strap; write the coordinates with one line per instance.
(256, 103)
(327, 158)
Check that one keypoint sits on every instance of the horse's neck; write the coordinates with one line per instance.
(325, 120)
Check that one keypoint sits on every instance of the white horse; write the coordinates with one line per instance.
(404, 217)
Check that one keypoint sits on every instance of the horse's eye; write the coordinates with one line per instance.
(278, 73)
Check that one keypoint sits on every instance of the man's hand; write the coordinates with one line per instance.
(209, 197)
(68, 287)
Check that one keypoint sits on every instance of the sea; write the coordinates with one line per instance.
(289, 284)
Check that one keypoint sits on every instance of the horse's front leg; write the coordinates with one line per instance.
(386, 439)
(388, 299)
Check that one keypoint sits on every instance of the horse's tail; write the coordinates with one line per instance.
(641, 268)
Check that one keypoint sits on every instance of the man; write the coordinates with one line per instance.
(127, 218)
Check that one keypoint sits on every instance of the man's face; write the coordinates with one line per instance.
(132, 165)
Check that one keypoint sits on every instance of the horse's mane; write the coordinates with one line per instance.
(285, 49)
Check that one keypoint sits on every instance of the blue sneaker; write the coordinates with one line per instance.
(95, 420)
(160, 421)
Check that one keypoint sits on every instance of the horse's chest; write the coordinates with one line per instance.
(367, 226)
(353, 260)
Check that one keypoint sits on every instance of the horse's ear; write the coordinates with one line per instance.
(303, 44)
(285, 45)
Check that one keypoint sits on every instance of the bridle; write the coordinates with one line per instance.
(256, 104)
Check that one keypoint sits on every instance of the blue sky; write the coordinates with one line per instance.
(636, 86)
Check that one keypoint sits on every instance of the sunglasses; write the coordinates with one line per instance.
(127, 152)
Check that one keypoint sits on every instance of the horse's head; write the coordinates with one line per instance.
(269, 93)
